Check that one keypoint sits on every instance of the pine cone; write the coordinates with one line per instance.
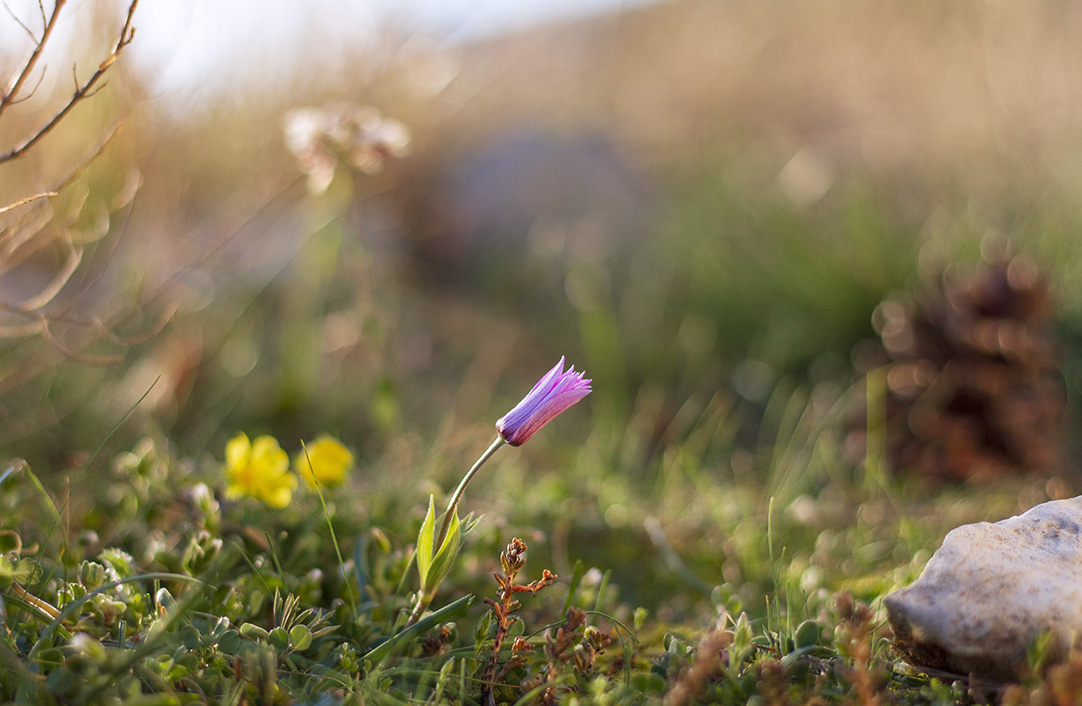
(973, 387)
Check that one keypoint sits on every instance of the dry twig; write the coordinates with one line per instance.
(512, 560)
(11, 96)
(82, 91)
(31, 225)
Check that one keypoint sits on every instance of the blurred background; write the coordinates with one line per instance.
(801, 237)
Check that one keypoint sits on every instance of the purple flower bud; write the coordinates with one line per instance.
(552, 394)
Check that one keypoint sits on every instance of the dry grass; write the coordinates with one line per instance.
(956, 88)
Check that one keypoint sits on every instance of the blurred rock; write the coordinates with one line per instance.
(514, 211)
(991, 590)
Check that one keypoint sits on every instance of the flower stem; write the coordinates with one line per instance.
(453, 503)
(422, 600)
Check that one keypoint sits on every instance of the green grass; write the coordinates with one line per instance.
(715, 539)
(169, 593)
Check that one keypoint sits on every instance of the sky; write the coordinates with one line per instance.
(186, 46)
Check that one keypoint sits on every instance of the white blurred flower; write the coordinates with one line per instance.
(318, 137)
(374, 139)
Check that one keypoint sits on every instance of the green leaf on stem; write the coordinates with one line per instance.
(424, 545)
(445, 557)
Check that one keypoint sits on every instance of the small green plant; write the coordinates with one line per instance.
(553, 394)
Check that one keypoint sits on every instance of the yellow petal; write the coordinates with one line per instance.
(326, 460)
(238, 451)
(268, 456)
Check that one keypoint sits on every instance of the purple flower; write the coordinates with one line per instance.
(552, 394)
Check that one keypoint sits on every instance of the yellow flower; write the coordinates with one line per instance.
(259, 469)
(327, 461)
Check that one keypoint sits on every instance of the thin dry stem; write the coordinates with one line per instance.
(27, 200)
(38, 603)
(59, 281)
(29, 234)
(73, 355)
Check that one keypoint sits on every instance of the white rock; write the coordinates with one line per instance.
(991, 589)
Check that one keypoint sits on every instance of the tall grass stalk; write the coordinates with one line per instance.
(334, 537)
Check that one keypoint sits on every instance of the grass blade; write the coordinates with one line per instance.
(381, 650)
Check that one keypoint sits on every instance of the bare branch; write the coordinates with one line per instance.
(82, 91)
(30, 94)
(27, 233)
(97, 90)
(32, 60)
(15, 17)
